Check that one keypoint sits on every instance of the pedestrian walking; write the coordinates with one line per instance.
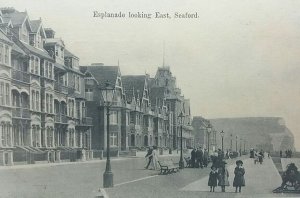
(223, 176)
(213, 178)
(149, 157)
(199, 157)
(193, 157)
(280, 153)
(239, 173)
(154, 159)
(205, 158)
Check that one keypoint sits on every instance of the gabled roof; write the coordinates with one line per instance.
(157, 95)
(133, 84)
(32, 50)
(17, 18)
(103, 73)
(69, 54)
(35, 24)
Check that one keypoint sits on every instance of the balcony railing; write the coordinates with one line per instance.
(60, 88)
(19, 112)
(21, 76)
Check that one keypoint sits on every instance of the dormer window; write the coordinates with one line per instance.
(24, 33)
(62, 52)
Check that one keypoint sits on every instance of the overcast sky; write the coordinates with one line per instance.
(239, 58)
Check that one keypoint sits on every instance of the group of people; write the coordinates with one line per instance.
(257, 155)
(199, 158)
(288, 153)
(152, 159)
(219, 176)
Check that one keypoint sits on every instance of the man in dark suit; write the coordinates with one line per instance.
(199, 158)
(193, 157)
(150, 157)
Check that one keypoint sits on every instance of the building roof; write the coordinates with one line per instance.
(39, 52)
(103, 73)
(16, 48)
(133, 84)
(69, 54)
(35, 24)
(3, 37)
(156, 95)
(50, 41)
(17, 18)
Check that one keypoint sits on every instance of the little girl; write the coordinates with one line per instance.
(239, 173)
(213, 179)
(223, 176)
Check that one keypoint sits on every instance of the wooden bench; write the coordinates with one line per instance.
(168, 166)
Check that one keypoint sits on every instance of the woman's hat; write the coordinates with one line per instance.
(239, 162)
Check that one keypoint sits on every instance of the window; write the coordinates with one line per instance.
(114, 139)
(2, 93)
(51, 103)
(36, 66)
(32, 64)
(114, 117)
(50, 70)
(46, 69)
(78, 83)
(6, 55)
(47, 103)
(3, 134)
(32, 99)
(78, 109)
(7, 94)
(37, 98)
(1, 52)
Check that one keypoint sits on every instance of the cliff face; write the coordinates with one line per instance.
(268, 133)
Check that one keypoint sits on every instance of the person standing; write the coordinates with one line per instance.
(154, 159)
(205, 158)
(199, 157)
(239, 173)
(223, 176)
(149, 156)
(280, 153)
(213, 178)
(193, 157)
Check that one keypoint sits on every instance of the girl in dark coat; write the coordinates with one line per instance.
(213, 178)
(239, 173)
(223, 176)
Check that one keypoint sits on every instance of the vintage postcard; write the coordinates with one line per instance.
(136, 99)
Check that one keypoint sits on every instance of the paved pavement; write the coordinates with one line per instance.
(131, 180)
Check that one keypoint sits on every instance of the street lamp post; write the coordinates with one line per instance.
(244, 146)
(222, 135)
(108, 93)
(209, 127)
(236, 143)
(230, 142)
(241, 141)
(181, 120)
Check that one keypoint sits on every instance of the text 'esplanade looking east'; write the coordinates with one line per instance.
(143, 15)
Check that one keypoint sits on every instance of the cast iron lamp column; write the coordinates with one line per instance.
(222, 135)
(230, 142)
(236, 143)
(209, 127)
(181, 120)
(108, 93)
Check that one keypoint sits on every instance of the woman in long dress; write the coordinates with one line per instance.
(154, 159)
